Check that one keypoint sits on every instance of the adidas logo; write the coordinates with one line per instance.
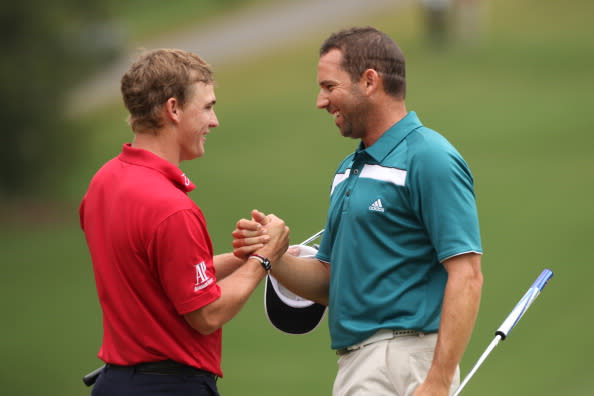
(377, 206)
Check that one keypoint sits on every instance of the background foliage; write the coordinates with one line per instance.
(516, 103)
(47, 49)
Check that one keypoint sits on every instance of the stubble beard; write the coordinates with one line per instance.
(355, 121)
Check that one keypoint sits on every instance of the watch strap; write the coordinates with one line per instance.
(263, 260)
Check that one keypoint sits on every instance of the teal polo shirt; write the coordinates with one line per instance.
(397, 210)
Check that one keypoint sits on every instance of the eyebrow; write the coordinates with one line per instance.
(326, 82)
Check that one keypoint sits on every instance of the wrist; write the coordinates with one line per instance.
(263, 261)
(439, 380)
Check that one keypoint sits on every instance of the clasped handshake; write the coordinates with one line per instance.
(264, 235)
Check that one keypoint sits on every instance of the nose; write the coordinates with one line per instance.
(214, 121)
(322, 100)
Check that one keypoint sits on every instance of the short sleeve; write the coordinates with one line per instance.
(442, 191)
(182, 252)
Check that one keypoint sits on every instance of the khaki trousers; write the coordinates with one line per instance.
(394, 367)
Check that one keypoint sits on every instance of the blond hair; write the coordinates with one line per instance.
(154, 78)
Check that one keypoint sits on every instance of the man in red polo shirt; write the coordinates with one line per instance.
(163, 295)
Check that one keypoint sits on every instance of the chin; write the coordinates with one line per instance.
(346, 133)
(199, 152)
(193, 155)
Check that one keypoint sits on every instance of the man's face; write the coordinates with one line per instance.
(198, 116)
(340, 96)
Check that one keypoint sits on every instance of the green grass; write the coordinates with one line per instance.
(143, 20)
(518, 108)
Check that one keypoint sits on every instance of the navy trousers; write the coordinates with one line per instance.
(126, 381)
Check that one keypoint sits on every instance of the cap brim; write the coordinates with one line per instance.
(287, 311)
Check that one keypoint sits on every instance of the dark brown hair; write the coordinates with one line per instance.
(367, 48)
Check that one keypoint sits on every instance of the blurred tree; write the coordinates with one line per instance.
(47, 48)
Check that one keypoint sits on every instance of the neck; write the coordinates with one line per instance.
(383, 118)
(158, 143)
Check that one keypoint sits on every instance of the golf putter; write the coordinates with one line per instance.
(510, 322)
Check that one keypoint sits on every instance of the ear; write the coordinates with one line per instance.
(172, 110)
(370, 81)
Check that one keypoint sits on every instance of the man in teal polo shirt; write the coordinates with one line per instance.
(399, 263)
(406, 206)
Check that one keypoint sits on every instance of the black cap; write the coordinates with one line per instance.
(287, 311)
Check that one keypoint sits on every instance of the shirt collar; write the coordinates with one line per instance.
(141, 157)
(392, 137)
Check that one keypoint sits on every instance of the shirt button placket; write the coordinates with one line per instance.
(355, 171)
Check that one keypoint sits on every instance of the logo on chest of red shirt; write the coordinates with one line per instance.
(186, 180)
(202, 278)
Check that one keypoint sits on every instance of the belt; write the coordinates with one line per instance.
(165, 367)
(381, 335)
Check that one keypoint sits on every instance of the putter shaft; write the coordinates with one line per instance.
(510, 321)
(312, 238)
(480, 361)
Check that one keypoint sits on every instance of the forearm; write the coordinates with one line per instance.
(240, 282)
(225, 264)
(235, 291)
(459, 312)
(306, 277)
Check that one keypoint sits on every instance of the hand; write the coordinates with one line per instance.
(294, 250)
(279, 237)
(250, 235)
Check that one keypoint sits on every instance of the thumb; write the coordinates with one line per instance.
(259, 217)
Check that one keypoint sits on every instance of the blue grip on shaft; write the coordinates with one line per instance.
(542, 279)
(522, 306)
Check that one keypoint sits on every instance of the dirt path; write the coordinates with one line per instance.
(240, 34)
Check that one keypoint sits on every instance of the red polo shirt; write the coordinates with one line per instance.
(153, 262)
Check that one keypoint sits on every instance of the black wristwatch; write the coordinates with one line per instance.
(263, 260)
